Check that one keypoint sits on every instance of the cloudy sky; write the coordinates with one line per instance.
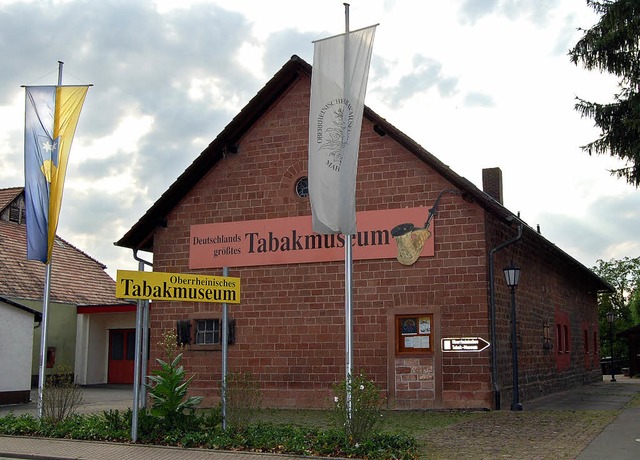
(478, 83)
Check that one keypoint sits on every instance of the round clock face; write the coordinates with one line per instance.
(302, 187)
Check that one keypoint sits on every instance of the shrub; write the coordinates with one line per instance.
(169, 386)
(358, 423)
(260, 437)
(61, 397)
(243, 397)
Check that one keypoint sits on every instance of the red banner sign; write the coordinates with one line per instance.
(291, 240)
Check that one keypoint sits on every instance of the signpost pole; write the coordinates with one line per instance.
(136, 365)
(225, 342)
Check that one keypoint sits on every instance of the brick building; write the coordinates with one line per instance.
(242, 204)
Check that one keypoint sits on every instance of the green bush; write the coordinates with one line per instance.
(260, 437)
(169, 386)
(60, 396)
(360, 420)
(243, 398)
(23, 425)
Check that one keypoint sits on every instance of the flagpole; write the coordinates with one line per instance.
(224, 328)
(348, 256)
(43, 339)
(45, 312)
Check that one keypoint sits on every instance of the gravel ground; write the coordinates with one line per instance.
(517, 435)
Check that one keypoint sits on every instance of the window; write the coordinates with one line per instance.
(17, 213)
(586, 341)
(414, 334)
(207, 331)
(302, 187)
(563, 340)
(559, 339)
(200, 334)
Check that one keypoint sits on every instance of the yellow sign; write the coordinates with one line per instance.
(173, 286)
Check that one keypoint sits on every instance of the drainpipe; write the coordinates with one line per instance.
(140, 363)
(145, 336)
(139, 259)
(492, 301)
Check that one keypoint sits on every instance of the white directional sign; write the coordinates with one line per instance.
(463, 344)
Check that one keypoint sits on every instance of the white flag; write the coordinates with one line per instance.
(338, 86)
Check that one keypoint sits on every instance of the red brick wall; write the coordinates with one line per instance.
(549, 292)
(290, 323)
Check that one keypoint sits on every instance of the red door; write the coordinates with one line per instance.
(121, 353)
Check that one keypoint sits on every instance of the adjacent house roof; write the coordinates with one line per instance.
(140, 236)
(37, 316)
(76, 278)
(631, 332)
(7, 195)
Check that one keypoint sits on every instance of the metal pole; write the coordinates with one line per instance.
(136, 365)
(145, 354)
(43, 339)
(515, 404)
(45, 309)
(492, 302)
(613, 372)
(348, 323)
(348, 256)
(225, 345)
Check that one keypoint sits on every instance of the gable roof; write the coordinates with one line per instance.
(76, 278)
(140, 236)
(7, 195)
(37, 316)
(632, 332)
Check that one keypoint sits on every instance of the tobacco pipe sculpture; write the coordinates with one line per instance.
(411, 239)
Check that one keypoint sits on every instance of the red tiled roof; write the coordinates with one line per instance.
(76, 278)
(7, 195)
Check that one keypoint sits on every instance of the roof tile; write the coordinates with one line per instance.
(76, 278)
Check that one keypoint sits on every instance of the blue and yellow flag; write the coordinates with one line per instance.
(51, 117)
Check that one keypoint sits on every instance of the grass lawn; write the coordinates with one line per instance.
(537, 434)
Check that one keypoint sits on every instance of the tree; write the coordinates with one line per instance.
(613, 45)
(624, 277)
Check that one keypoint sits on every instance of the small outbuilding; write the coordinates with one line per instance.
(17, 323)
(632, 335)
(89, 330)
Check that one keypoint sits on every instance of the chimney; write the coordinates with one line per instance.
(492, 183)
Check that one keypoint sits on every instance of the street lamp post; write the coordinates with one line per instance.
(512, 277)
(611, 316)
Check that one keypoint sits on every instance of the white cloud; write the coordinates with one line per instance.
(477, 83)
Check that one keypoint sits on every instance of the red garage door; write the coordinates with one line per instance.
(121, 353)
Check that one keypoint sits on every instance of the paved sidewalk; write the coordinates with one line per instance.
(64, 449)
(620, 440)
(96, 398)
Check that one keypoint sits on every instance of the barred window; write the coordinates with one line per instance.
(207, 331)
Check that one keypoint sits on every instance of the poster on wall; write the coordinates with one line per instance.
(425, 325)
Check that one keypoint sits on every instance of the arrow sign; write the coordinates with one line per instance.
(464, 344)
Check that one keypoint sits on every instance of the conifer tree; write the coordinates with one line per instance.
(613, 45)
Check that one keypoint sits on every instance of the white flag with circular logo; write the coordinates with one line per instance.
(338, 87)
